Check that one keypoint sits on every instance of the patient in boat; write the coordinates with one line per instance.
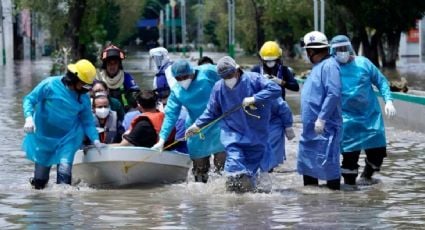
(107, 123)
(144, 128)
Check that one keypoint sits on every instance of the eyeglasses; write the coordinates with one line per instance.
(182, 78)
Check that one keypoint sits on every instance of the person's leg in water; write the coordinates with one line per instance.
(308, 180)
(41, 176)
(64, 173)
(200, 169)
(334, 184)
(373, 162)
(349, 167)
(219, 160)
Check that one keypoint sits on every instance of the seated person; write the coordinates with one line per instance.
(115, 104)
(144, 128)
(106, 120)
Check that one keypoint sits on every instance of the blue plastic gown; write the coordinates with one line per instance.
(244, 136)
(60, 120)
(318, 155)
(363, 124)
(281, 118)
(195, 99)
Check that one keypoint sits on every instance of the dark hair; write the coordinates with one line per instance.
(100, 96)
(146, 99)
(205, 60)
(102, 83)
(70, 79)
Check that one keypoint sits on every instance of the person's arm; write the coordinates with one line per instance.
(332, 86)
(172, 112)
(284, 112)
(34, 97)
(289, 81)
(379, 80)
(87, 119)
(268, 90)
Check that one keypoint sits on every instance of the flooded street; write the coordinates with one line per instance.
(395, 203)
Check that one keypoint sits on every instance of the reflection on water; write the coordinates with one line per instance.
(396, 202)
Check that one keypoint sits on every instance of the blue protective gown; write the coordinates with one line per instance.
(60, 120)
(318, 155)
(244, 136)
(195, 99)
(281, 118)
(363, 124)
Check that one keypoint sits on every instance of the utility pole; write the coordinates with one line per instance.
(167, 25)
(3, 43)
(322, 15)
(183, 25)
(161, 28)
(173, 24)
(200, 28)
(231, 19)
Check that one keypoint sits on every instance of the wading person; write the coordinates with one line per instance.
(57, 117)
(363, 124)
(192, 91)
(244, 99)
(318, 155)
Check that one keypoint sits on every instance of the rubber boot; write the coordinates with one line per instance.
(38, 184)
(201, 178)
(239, 184)
(334, 184)
(349, 179)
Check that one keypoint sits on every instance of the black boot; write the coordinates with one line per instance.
(334, 184)
(239, 184)
(367, 172)
(38, 184)
(349, 179)
(201, 178)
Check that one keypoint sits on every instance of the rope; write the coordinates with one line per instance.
(234, 109)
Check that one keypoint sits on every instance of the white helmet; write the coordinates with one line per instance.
(315, 39)
(159, 56)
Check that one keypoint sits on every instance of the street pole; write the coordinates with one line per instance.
(167, 25)
(322, 16)
(161, 28)
(200, 27)
(183, 25)
(3, 43)
(173, 24)
(316, 15)
(231, 18)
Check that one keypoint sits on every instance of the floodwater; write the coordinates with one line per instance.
(395, 203)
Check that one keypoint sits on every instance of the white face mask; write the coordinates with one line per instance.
(270, 64)
(102, 112)
(230, 82)
(185, 83)
(343, 57)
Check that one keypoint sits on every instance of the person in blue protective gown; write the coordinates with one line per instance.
(363, 124)
(318, 155)
(280, 126)
(242, 100)
(192, 91)
(57, 117)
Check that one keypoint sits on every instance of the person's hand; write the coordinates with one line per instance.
(29, 126)
(289, 133)
(159, 146)
(192, 130)
(319, 126)
(276, 80)
(247, 101)
(389, 109)
(99, 145)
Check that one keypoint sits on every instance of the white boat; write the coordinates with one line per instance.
(129, 166)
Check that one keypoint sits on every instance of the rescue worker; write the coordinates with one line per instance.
(106, 120)
(272, 67)
(243, 102)
(160, 82)
(318, 156)
(192, 91)
(363, 124)
(57, 117)
(121, 84)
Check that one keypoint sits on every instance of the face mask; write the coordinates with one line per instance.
(185, 83)
(230, 82)
(270, 64)
(342, 57)
(102, 112)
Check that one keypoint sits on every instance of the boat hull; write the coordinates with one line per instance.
(129, 166)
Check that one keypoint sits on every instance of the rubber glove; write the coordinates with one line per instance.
(159, 146)
(289, 133)
(389, 109)
(99, 145)
(192, 130)
(319, 126)
(247, 101)
(276, 80)
(29, 126)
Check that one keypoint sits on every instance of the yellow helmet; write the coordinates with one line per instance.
(84, 70)
(270, 51)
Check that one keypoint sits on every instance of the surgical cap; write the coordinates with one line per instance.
(181, 68)
(225, 66)
(340, 41)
